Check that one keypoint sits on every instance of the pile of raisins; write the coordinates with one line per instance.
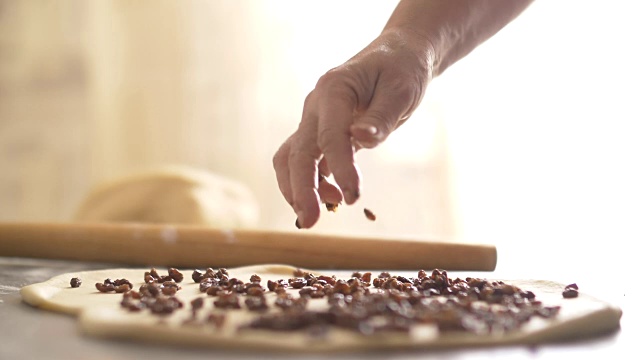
(361, 303)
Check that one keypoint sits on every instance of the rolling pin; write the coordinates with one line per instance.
(200, 247)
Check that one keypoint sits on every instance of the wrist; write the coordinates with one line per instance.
(418, 43)
(452, 29)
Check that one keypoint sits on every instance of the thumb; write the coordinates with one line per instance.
(384, 114)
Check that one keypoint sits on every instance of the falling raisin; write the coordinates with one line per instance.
(369, 214)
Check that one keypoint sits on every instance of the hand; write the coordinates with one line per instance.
(355, 105)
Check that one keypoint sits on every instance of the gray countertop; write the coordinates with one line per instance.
(28, 333)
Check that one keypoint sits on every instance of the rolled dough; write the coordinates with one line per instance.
(101, 315)
(172, 194)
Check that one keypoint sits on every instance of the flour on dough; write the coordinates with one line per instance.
(101, 315)
(177, 195)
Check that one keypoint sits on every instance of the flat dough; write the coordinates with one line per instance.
(172, 194)
(101, 315)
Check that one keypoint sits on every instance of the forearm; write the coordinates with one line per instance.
(453, 28)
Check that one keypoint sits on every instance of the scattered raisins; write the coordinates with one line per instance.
(197, 276)
(216, 319)
(299, 273)
(359, 303)
(255, 291)
(570, 293)
(297, 283)
(104, 288)
(227, 301)
(256, 303)
(197, 303)
(214, 290)
(164, 305)
(176, 275)
(75, 282)
(122, 288)
(169, 290)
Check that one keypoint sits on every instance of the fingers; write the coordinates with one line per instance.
(302, 162)
(295, 164)
(295, 172)
(326, 142)
(323, 168)
(281, 166)
(329, 193)
(304, 186)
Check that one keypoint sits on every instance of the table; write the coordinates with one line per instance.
(28, 333)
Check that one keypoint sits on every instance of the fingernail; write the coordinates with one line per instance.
(350, 196)
(300, 219)
(370, 129)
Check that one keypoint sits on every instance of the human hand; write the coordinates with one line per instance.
(355, 105)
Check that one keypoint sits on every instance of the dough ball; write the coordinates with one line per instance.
(177, 195)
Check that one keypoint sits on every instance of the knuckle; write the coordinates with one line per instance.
(280, 157)
(379, 117)
(339, 83)
(402, 92)
(299, 156)
(328, 138)
(308, 100)
(330, 79)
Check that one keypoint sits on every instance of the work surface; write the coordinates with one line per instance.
(31, 333)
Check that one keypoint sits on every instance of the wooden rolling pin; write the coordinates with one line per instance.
(199, 247)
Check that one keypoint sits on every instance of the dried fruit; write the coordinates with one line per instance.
(331, 207)
(369, 214)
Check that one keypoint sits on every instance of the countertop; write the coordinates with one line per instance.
(29, 333)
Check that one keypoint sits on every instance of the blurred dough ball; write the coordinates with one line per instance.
(177, 195)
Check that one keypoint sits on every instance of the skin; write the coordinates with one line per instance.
(361, 102)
